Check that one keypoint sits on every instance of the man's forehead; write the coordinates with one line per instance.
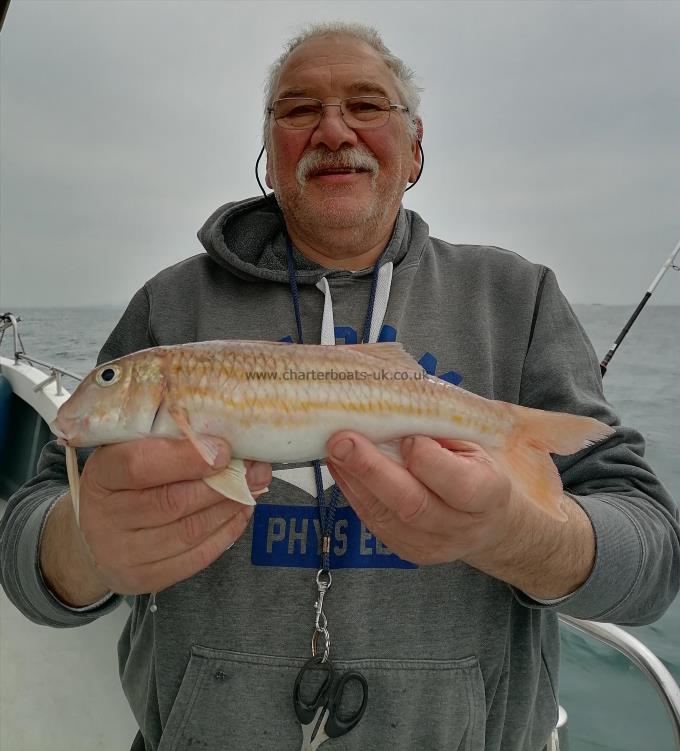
(342, 61)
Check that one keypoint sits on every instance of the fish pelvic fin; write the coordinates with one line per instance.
(231, 482)
(526, 455)
(392, 450)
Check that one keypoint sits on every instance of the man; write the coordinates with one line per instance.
(446, 580)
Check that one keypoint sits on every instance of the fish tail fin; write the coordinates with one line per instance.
(526, 456)
(559, 432)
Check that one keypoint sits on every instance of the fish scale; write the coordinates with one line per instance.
(247, 386)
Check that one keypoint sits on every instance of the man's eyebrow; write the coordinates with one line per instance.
(368, 87)
(358, 87)
(294, 92)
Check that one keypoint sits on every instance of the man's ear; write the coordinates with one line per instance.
(417, 158)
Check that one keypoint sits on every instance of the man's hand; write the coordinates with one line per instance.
(452, 502)
(147, 520)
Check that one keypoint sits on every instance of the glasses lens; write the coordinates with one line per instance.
(357, 112)
(297, 113)
(366, 111)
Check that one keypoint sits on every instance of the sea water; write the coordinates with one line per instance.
(610, 704)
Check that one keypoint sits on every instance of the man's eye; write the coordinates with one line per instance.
(364, 107)
(303, 111)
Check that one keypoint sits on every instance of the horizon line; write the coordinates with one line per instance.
(61, 306)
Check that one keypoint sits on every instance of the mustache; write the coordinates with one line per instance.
(322, 159)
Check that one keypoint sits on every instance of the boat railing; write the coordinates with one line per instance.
(9, 321)
(641, 656)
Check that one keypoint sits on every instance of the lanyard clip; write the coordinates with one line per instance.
(323, 583)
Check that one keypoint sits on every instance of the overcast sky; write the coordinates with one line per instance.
(551, 128)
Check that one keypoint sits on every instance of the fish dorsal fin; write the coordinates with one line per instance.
(390, 353)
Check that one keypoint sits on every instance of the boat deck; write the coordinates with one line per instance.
(65, 679)
(59, 688)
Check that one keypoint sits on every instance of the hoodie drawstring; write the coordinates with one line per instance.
(381, 283)
(379, 298)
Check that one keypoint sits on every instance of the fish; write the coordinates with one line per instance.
(280, 403)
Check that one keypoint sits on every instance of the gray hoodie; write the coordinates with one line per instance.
(454, 658)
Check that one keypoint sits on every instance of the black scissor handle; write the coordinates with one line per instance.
(337, 724)
(305, 710)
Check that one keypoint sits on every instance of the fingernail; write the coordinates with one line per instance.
(223, 454)
(259, 474)
(342, 449)
(406, 446)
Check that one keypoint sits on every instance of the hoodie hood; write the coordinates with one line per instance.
(248, 238)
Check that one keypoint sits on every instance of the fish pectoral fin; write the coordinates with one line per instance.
(73, 480)
(203, 444)
(231, 482)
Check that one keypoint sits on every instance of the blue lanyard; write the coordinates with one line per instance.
(327, 514)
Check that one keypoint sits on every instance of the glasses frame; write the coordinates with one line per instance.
(392, 106)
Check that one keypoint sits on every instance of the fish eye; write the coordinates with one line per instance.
(108, 375)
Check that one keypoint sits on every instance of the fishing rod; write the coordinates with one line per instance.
(669, 264)
(4, 6)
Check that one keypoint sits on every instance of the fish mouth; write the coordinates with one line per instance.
(54, 427)
(66, 429)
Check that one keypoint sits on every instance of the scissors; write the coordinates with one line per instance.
(321, 718)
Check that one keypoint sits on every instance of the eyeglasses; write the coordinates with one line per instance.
(301, 113)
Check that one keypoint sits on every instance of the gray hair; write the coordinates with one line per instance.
(404, 76)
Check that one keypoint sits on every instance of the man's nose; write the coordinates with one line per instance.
(332, 131)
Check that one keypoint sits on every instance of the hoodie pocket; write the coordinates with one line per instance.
(232, 700)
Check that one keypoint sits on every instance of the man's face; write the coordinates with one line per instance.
(330, 69)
